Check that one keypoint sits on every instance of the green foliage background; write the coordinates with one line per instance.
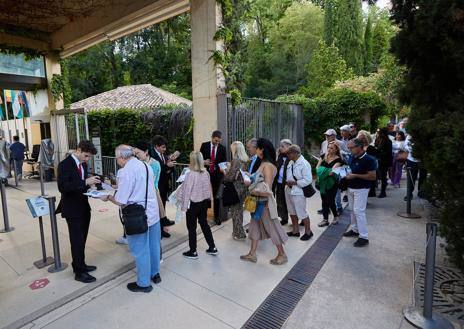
(430, 44)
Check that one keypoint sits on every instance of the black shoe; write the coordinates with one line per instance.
(291, 234)
(340, 210)
(190, 254)
(283, 222)
(382, 195)
(165, 234)
(345, 198)
(166, 222)
(156, 279)
(361, 242)
(247, 230)
(134, 287)
(212, 251)
(90, 268)
(218, 221)
(85, 278)
(306, 237)
(319, 211)
(301, 223)
(350, 234)
(371, 195)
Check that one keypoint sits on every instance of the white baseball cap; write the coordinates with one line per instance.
(330, 132)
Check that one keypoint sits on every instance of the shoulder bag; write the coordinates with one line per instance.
(134, 216)
(308, 191)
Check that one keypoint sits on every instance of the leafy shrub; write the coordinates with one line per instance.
(336, 108)
(128, 126)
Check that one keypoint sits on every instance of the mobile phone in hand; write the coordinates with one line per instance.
(175, 155)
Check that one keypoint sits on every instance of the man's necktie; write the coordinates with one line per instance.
(212, 159)
(79, 170)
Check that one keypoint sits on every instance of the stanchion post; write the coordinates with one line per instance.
(426, 318)
(58, 266)
(45, 261)
(15, 173)
(41, 173)
(7, 228)
(409, 190)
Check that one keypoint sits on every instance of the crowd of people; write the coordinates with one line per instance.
(273, 185)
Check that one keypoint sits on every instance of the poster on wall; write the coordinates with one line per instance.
(97, 159)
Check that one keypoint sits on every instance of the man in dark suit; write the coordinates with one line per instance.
(73, 181)
(167, 165)
(281, 180)
(214, 153)
(255, 161)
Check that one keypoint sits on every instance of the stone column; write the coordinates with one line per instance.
(207, 79)
(52, 66)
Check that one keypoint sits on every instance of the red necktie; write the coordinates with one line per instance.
(212, 158)
(79, 169)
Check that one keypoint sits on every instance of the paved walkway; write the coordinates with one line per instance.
(356, 288)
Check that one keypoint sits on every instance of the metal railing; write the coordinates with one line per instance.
(110, 166)
(264, 118)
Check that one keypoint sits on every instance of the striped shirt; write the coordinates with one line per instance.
(196, 187)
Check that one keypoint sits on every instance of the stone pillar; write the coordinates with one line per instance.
(52, 66)
(207, 79)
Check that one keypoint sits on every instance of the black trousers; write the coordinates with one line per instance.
(216, 180)
(198, 211)
(416, 170)
(328, 202)
(382, 174)
(78, 230)
(281, 202)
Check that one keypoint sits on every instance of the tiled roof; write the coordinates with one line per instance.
(134, 97)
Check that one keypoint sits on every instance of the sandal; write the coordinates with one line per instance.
(249, 258)
(324, 222)
(279, 260)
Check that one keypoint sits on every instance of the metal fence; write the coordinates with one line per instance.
(110, 166)
(264, 118)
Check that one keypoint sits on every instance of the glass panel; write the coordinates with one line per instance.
(17, 64)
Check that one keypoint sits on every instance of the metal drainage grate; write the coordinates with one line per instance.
(448, 291)
(281, 302)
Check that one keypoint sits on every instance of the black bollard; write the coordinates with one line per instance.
(426, 318)
(409, 190)
(6, 221)
(58, 266)
(15, 173)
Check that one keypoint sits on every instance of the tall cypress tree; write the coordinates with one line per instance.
(349, 33)
(329, 21)
(368, 46)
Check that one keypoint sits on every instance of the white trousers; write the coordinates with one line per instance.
(357, 199)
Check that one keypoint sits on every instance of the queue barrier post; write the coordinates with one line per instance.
(410, 189)
(6, 221)
(58, 265)
(424, 317)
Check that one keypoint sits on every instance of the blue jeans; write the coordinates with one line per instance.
(338, 199)
(145, 248)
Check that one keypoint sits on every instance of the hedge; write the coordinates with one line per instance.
(128, 126)
(336, 108)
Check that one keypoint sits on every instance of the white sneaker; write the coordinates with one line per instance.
(122, 240)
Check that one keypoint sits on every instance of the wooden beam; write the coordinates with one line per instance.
(18, 41)
(87, 31)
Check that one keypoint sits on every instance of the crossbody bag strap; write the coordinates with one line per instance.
(146, 189)
(296, 180)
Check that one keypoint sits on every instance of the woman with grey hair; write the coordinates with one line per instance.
(233, 175)
(136, 185)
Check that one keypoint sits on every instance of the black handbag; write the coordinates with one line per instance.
(134, 216)
(308, 191)
(229, 195)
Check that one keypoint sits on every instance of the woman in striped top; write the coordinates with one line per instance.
(194, 197)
